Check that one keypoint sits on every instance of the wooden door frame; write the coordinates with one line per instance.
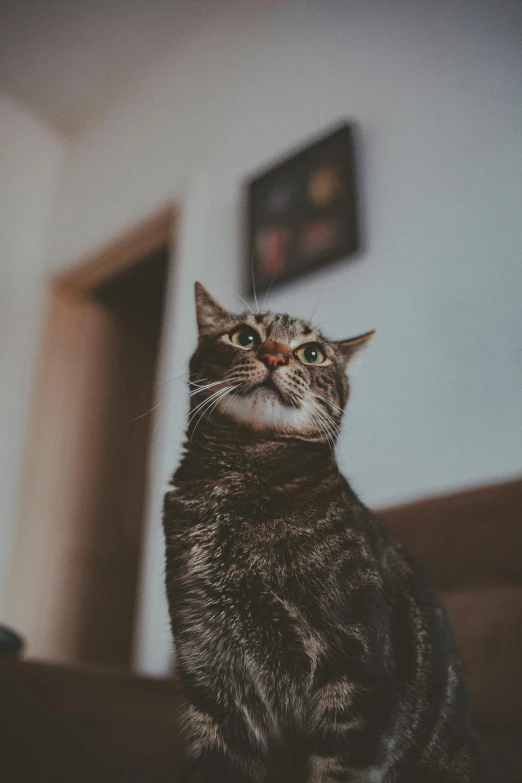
(127, 249)
(58, 399)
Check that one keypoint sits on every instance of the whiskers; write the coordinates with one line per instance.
(359, 426)
(237, 295)
(349, 412)
(154, 407)
(198, 390)
(254, 281)
(268, 290)
(324, 423)
(209, 404)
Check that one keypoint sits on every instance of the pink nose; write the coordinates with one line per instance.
(273, 354)
(272, 360)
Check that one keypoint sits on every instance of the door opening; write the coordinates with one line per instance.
(133, 302)
(74, 591)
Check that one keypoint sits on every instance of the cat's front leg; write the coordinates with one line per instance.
(209, 758)
(336, 769)
(349, 736)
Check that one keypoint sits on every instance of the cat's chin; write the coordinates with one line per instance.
(263, 409)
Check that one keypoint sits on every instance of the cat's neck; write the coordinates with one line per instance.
(220, 446)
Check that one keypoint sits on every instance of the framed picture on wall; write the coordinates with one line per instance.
(302, 211)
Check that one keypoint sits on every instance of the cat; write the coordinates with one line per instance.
(309, 645)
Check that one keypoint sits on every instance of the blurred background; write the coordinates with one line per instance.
(127, 133)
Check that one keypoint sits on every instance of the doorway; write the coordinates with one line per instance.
(74, 591)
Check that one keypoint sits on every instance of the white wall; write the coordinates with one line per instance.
(30, 156)
(207, 230)
(435, 91)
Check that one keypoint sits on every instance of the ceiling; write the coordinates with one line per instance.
(70, 59)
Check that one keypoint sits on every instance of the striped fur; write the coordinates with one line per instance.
(309, 645)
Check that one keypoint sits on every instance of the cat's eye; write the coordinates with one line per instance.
(244, 337)
(311, 354)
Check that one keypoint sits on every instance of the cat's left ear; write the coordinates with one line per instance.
(209, 313)
(348, 348)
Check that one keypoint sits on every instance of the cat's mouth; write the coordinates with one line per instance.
(270, 385)
(266, 402)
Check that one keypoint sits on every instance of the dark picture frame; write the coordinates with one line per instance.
(302, 212)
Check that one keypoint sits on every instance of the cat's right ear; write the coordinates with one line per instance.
(210, 315)
(348, 348)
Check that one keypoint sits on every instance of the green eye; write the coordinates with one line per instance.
(311, 354)
(244, 337)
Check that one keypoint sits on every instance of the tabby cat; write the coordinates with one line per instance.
(309, 645)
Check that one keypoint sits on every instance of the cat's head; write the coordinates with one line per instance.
(269, 372)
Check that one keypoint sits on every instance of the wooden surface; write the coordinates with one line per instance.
(472, 537)
(471, 544)
(60, 725)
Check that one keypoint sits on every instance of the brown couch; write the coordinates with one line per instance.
(60, 725)
(471, 543)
